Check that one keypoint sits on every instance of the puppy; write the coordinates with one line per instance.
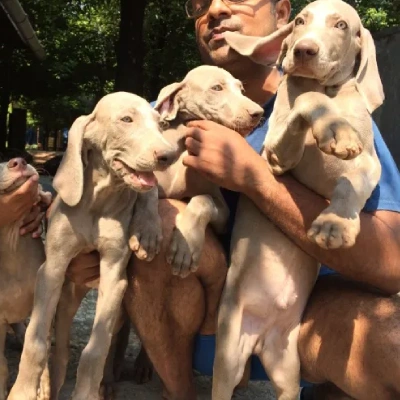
(111, 156)
(320, 130)
(21, 257)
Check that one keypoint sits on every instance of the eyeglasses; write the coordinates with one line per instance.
(197, 8)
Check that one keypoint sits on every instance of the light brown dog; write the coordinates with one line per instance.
(207, 92)
(111, 156)
(320, 130)
(21, 257)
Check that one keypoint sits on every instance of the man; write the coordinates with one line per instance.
(350, 333)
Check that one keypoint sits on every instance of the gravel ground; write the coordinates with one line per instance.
(126, 388)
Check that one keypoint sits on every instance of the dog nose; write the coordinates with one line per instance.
(256, 114)
(306, 49)
(17, 164)
(165, 158)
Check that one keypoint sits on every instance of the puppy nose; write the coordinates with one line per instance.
(256, 114)
(16, 164)
(166, 157)
(306, 49)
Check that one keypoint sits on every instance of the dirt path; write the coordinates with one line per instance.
(127, 389)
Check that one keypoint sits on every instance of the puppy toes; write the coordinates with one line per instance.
(331, 231)
(337, 137)
(183, 254)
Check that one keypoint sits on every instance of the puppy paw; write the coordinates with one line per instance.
(185, 249)
(331, 231)
(143, 368)
(337, 137)
(146, 237)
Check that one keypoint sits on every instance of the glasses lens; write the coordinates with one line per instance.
(196, 8)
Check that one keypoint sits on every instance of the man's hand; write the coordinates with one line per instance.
(20, 203)
(223, 156)
(84, 268)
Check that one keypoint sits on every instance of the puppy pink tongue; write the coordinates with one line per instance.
(147, 178)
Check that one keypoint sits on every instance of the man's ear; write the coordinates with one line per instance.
(262, 50)
(167, 103)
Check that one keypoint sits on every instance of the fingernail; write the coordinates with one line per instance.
(22, 232)
(35, 178)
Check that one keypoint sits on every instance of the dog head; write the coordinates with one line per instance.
(211, 93)
(124, 130)
(14, 173)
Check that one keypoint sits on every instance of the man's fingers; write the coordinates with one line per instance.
(202, 124)
(194, 133)
(193, 146)
(33, 226)
(191, 161)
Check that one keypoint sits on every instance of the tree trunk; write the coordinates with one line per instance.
(5, 92)
(130, 47)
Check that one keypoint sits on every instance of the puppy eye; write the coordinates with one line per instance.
(127, 119)
(341, 25)
(299, 21)
(217, 88)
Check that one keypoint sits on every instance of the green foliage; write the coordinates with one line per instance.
(80, 39)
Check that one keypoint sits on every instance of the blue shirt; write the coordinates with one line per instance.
(386, 195)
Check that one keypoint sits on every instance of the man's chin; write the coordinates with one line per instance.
(222, 56)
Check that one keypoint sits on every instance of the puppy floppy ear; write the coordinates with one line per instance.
(68, 181)
(167, 103)
(262, 50)
(368, 80)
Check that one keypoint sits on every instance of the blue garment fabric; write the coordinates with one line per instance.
(386, 196)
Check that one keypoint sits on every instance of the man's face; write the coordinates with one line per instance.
(251, 17)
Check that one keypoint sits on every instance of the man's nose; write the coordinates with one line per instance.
(17, 164)
(218, 9)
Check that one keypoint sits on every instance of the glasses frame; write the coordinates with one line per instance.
(227, 2)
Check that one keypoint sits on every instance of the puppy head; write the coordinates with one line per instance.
(211, 93)
(14, 173)
(124, 130)
(327, 42)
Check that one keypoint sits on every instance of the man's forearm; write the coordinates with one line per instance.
(374, 259)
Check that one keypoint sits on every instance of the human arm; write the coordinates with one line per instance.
(226, 158)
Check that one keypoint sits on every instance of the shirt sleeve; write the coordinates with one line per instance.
(386, 195)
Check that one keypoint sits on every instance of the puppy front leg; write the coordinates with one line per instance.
(339, 224)
(188, 236)
(284, 143)
(145, 228)
(333, 133)
(112, 287)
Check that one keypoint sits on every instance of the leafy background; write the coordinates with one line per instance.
(97, 46)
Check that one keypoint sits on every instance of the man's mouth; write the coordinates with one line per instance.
(138, 179)
(218, 33)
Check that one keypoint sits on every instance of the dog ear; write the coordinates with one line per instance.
(368, 80)
(167, 102)
(68, 181)
(262, 50)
